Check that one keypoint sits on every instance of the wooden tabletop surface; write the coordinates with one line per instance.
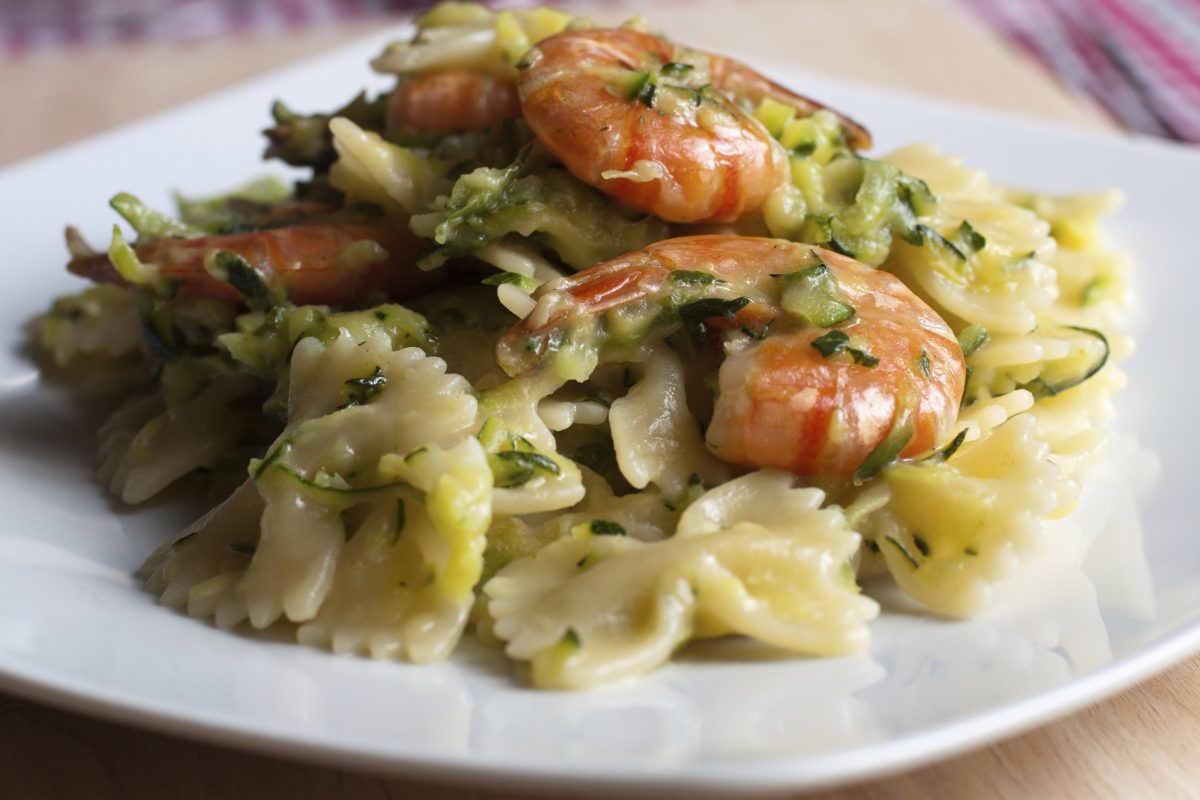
(1142, 743)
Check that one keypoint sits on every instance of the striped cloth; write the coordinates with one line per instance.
(1140, 59)
(31, 25)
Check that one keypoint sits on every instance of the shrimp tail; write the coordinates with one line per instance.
(327, 263)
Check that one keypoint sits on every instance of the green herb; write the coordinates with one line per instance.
(570, 639)
(923, 364)
(360, 391)
(838, 246)
(968, 239)
(695, 488)
(243, 549)
(921, 545)
(971, 550)
(1056, 378)
(258, 467)
(690, 277)
(695, 314)
(757, 334)
(916, 195)
(863, 358)
(884, 453)
(604, 527)
(244, 278)
(812, 294)
(523, 282)
(148, 222)
(512, 468)
(929, 234)
(903, 551)
(643, 88)
(711, 307)
(837, 341)
(131, 268)
(971, 338)
(830, 343)
(304, 140)
(333, 490)
(941, 455)
(676, 69)
(1020, 262)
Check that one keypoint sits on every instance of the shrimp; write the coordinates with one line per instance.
(449, 101)
(311, 259)
(793, 394)
(656, 125)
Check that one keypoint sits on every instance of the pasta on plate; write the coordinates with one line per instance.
(595, 345)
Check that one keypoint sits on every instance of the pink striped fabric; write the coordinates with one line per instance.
(1140, 59)
(31, 25)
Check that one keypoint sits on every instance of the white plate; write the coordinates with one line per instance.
(76, 630)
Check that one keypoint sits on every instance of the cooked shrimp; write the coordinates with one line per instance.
(313, 260)
(656, 125)
(449, 101)
(794, 395)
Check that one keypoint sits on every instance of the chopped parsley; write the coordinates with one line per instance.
(522, 282)
(604, 527)
(884, 453)
(920, 543)
(513, 468)
(676, 69)
(900, 548)
(244, 278)
(360, 391)
(837, 341)
(691, 277)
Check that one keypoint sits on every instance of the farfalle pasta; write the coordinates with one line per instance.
(595, 344)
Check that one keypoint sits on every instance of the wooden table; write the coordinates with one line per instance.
(1143, 743)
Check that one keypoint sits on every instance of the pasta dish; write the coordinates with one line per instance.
(593, 344)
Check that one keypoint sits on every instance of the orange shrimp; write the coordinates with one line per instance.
(449, 101)
(309, 258)
(795, 395)
(656, 125)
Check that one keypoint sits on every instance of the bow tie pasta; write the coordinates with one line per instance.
(594, 344)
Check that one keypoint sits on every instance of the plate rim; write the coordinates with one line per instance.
(775, 772)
